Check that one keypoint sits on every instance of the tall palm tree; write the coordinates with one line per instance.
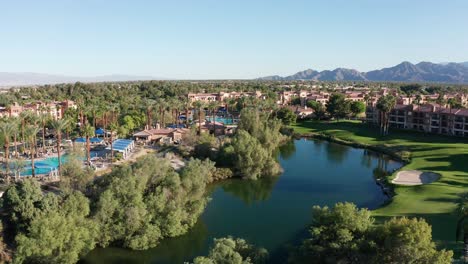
(31, 135)
(113, 127)
(231, 104)
(16, 123)
(7, 129)
(462, 225)
(148, 107)
(418, 99)
(59, 126)
(212, 107)
(24, 117)
(43, 119)
(199, 106)
(385, 104)
(178, 107)
(88, 132)
(440, 101)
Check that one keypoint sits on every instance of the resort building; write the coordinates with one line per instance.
(164, 135)
(222, 96)
(429, 118)
(55, 109)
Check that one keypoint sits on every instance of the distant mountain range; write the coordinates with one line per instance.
(8, 79)
(403, 72)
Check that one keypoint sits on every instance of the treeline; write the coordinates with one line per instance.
(135, 206)
(337, 107)
(344, 234)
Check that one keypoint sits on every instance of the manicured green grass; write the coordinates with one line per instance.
(442, 154)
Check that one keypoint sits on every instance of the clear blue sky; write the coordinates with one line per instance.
(226, 39)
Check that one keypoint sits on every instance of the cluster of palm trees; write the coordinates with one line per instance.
(22, 132)
(385, 104)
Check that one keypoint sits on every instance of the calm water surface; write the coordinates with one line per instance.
(274, 212)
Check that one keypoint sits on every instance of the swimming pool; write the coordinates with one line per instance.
(224, 120)
(45, 166)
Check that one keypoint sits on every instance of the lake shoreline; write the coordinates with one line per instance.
(384, 182)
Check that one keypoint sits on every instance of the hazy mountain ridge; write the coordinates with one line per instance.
(31, 78)
(403, 72)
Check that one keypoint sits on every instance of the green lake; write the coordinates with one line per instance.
(273, 212)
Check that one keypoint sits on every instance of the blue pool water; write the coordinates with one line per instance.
(45, 166)
(224, 120)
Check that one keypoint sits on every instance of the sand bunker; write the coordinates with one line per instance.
(415, 177)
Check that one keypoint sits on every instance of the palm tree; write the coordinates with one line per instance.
(162, 111)
(88, 132)
(59, 126)
(187, 106)
(113, 127)
(43, 119)
(7, 129)
(418, 99)
(148, 106)
(24, 117)
(199, 105)
(212, 106)
(462, 224)
(31, 135)
(230, 104)
(385, 104)
(15, 122)
(440, 101)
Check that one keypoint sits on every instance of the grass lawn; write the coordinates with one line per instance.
(436, 202)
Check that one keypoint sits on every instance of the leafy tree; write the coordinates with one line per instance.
(61, 233)
(404, 240)
(337, 235)
(254, 144)
(129, 123)
(337, 106)
(233, 251)
(319, 109)
(454, 103)
(22, 203)
(249, 155)
(204, 145)
(4, 254)
(73, 175)
(346, 234)
(410, 89)
(138, 205)
(296, 101)
(263, 128)
(286, 115)
(357, 108)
